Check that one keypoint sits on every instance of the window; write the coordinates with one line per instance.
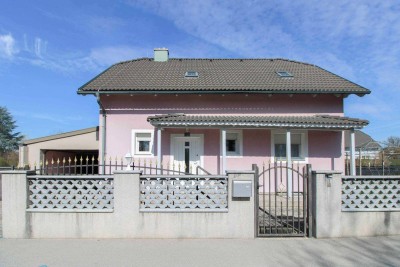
(191, 74)
(284, 74)
(233, 143)
(142, 142)
(298, 146)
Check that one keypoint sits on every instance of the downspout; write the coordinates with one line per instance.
(103, 132)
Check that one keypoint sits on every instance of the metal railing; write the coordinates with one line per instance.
(93, 166)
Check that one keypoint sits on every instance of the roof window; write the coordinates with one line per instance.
(284, 74)
(191, 74)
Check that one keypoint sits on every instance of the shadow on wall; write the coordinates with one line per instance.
(325, 145)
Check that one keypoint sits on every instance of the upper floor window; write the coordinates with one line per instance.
(142, 143)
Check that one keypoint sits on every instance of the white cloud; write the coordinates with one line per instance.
(96, 60)
(104, 24)
(40, 47)
(36, 54)
(7, 46)
(351, 36)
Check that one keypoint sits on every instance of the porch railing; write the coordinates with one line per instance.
(93, 166)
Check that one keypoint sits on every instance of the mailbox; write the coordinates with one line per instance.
(242, 188)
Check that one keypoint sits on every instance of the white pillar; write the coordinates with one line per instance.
(223, 148)
(289, 161)
(159, 156)
(352, 153)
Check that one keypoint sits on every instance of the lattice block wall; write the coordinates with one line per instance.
(186, 194)
(369, 194)
(55, 194)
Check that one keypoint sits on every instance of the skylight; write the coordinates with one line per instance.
(192, 74)
(284, 74)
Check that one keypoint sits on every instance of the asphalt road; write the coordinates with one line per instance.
(372, 251)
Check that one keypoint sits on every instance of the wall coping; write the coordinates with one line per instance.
(326, 172)
(371, 177)
(127, 172)
(72, 176)
(239, 172)
(18, 172)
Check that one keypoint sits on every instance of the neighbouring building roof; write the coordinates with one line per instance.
(61, 135)
(219, 76)
(362, 140)
(314, 122)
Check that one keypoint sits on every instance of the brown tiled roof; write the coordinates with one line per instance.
(362, 140)
(314, 122)
(219, 75)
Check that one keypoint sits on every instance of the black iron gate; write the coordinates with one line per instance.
(282, 202)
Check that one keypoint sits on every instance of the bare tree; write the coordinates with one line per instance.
(392, 142)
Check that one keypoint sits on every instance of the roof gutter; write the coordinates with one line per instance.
(145, 92)
(212, 125)
(103, 127)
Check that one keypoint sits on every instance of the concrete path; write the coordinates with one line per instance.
(376, 251)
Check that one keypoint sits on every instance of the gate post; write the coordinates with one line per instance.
(308, 192)
(256, 198)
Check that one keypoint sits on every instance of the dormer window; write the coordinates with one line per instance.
(191, 74)
(284, 74)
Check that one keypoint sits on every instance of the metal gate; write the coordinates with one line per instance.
(282, 202)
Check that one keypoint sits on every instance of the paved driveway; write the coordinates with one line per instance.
(371, 251)
(378, 251)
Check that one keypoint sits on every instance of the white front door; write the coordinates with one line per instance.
(187, 152)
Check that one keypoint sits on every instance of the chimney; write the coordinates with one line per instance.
(161, 54)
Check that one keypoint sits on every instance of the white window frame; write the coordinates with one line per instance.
(303, 146)
(240, 144)
(134, 145)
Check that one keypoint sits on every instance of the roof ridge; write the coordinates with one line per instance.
(60, 135)
(132, 60)
(207, 59)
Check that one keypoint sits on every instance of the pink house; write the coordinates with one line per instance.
(223, 114)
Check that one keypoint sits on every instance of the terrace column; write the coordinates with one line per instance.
(223, 148)
(352, 153)
(289, 161)
(159, 157)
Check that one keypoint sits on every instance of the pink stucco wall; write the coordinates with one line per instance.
(125, 113)
(326, 150)
(228, 104)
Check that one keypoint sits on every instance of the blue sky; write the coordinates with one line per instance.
(48, 49)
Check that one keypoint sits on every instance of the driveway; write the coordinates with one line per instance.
(369, 251)
(372, 251)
